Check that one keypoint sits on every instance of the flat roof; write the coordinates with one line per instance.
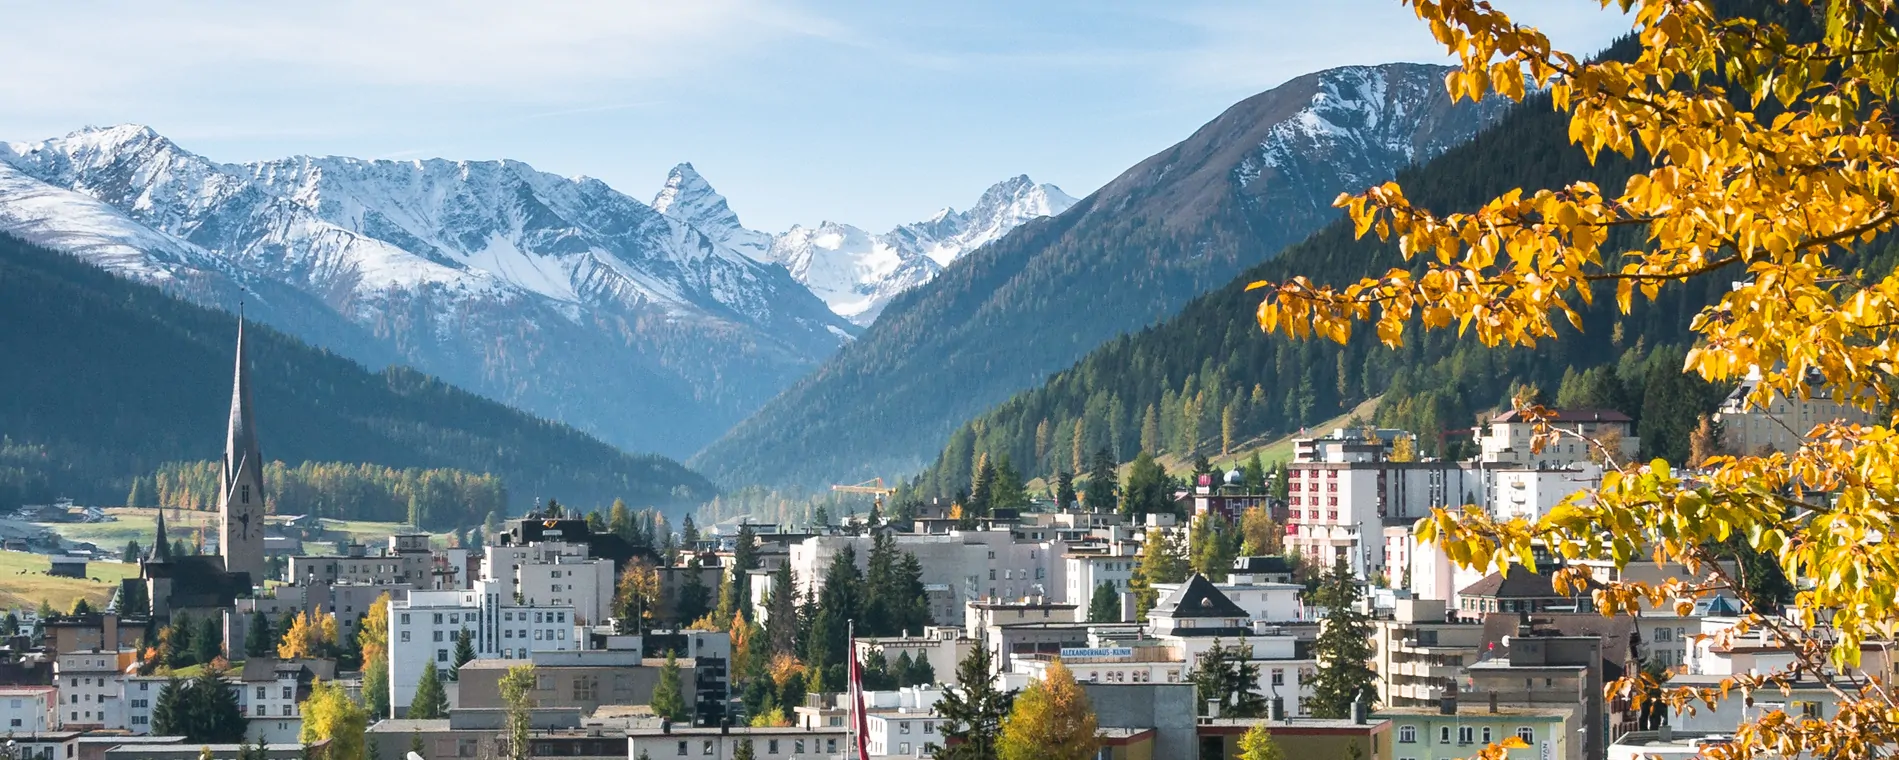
(1474, 710)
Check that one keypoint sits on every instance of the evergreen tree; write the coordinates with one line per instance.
(1105, 606)
(694, 598)
(922, 673)
(744, 560)
(781, 624)
(1343, 647)
(168, 710)
(81, 607)
(130, 555)
(1258, 744)
(688, 533)
(176, 640)
(1064, 491)
(1098, 494)
(257, 636)
(1146, 490)
(1051, 720)
(464, 653)
(1010, 492)
(203, 710)
(744, 751)
(973, 710)
(669, 701)
(1225, 675)
(208, 643)
(839, 603)
(431, 700)
(982, 488)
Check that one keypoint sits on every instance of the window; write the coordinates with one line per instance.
(286, 711)
(290, 692)
(903, 727)
(1444, 734)
(405, 620)
(1279, 676)
(260, 692)
(903, 748)
(438, 618)
(682, 748)
(438, 635)
(830, 745)
(1487, 739)
(705, 747)
(797, 747)
(405, 634)
(1464, 734)
(1407, 734)
(441, 655)
(1527, 734)
(929, 727)
(771, 747)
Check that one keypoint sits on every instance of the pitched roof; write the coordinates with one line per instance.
(1567, 415)
(1198, 598)
(1521, 583)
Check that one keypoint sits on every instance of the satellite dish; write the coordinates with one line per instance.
(414, 756)
(1506, 645)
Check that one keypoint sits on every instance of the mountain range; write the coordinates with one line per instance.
(1000, 319)
(655, 327)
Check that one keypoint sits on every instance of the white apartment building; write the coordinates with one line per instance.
(1085, 572)
(900, 733)
(1510, 438)
(972, 565)
(28, 709)
(1263, 602)
(1532, 493)
(91, 689)
(554, 574)
(424, 627)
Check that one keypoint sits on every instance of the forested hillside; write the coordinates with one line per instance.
(103, 379)
(1207, 379)
(434, 499)
(1000, 319)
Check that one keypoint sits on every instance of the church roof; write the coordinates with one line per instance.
(241, 453)
(200, 581)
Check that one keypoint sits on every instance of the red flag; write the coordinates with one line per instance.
(859, 723)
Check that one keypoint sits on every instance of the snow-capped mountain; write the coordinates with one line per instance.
(559, 295)
(854, 271)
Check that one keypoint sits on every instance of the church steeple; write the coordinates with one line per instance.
(161, 546)
(241, 505)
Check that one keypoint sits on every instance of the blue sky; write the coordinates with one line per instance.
(872, 113)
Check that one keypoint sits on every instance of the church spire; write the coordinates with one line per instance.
(241, 505)
(161, 547)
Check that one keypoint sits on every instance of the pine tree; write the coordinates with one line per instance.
(130, 555)
(982, 487)
(694, 598)
(781, 624)
(464, 653)
(1051, 720)
(208, 643)
(431, 700)
(973, 710)
(688, 533)
(1342, 648)
(257, 638)
(1105, 606)
(669, 701)
(840, 602)
(1225, 675)
(744, 560)
(1098, 494)
(1064, 491)
(921, 672)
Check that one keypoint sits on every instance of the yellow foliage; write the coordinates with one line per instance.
(1769, 159)
(1051, 720)
(1258, 744)
(706, 622)
(373, 638)
(330, 714)
(303, 639)
(772, 718)
(785, 667)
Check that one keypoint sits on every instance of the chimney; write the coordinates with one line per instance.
(725, 727)
(1359, 712)
(1276, 710)
(1493, 701)
(1213, 708)
(1447, 704)
(665, 726)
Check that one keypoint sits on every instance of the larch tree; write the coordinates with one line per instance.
(329, 714)
(1257, 744)
(517, 697)
(1051, 720)
(1768, 160)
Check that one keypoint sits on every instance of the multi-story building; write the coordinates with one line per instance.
(583, 679)
(423, 628)
(271, 694)
(554, 574)
(1521, 591)
(1531, 493)
(92, 688)
(902, 732)
(788, 743)
(943, 647)
(1420, 654)
(28, 709)
(1085, 571)
(406, 559)
(1783, 424)
(1230, 498)
(1511, 438)
(1339, 508)
(1450, 730)
(971, 565)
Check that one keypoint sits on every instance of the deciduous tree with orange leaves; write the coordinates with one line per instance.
(1768, 159)
(1051, 720)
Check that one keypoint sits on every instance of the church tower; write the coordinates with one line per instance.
(241, 505)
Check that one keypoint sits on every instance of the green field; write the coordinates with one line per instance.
(141, 524)
(24, 582)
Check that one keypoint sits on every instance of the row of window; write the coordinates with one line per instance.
(770, 746)
(1465, 734)
(507, 616)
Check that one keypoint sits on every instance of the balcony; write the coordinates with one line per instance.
(1426, 670)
